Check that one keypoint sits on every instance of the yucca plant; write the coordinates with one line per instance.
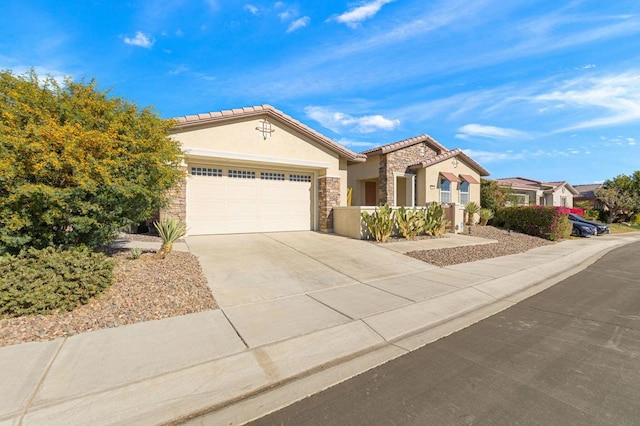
(470, 210)
(135, 253)
(485, 216)
(169, 230)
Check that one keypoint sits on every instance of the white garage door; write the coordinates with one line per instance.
(229, 200)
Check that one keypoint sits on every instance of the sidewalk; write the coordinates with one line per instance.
(170, 370)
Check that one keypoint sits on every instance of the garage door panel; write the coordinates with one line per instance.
(223, 204)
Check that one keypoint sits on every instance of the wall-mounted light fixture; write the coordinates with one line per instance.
(454, 162)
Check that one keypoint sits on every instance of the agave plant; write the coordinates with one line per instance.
(485, 216)
(169, 230)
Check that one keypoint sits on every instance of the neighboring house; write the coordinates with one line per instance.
(257, 170)
(531, 192)
(587, 193)
(413, 172)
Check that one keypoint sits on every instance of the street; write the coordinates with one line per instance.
(567, 356)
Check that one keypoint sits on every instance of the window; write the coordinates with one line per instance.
(300, 178)
(205, 171)
(464, 193)
(242, 174)
(271, 176)
(445, 190)
(563, 201)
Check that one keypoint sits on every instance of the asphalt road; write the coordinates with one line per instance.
(567, 356)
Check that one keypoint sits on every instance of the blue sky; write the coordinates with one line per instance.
(548, 90)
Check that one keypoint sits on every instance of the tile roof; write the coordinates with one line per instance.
(587, 190)
(385, 149)
(450, 154)
(530, 184)
(212, 118)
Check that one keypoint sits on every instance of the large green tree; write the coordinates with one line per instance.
(77, 164)
(621, 195)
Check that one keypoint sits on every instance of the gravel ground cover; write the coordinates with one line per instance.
(507, 243)
(143, 289)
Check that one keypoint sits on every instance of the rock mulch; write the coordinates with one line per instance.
(143, 289)
(507, 243)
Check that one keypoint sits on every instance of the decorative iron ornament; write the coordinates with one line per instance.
(265, 128)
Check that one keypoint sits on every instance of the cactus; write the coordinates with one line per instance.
(380, 222)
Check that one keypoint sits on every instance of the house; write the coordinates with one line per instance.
(587, 193)
(533, 192)
(257, 169)
(413, 172)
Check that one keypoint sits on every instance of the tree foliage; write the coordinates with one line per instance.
(493, 195)
(621, 195)
(76, 165)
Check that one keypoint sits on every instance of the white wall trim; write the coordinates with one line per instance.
(209, 154)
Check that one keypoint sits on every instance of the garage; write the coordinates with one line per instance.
(239, 199)
(256, 169)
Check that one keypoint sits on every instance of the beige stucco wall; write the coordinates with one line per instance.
(558, 194)
(429, 177)
(241, 140)
(359, 172)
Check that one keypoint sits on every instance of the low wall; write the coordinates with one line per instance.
(347, 221)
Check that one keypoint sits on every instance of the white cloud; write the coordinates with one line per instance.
(140, 40)
(610, 100)
(479, 130)
(338, 121)
(490, 157)
(298, 23)
(251, 9)
(355, 16)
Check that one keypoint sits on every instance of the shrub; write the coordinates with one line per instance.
(44, 281)
(77, 163)
(380, 222)
(169, 230)
(409, 222)
(434, 222)
(485, 216)
(540, 221)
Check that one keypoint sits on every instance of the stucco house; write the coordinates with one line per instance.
(533, 192)
(412, 172)
(257, 169)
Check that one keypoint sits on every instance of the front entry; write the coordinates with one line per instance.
(370, 192)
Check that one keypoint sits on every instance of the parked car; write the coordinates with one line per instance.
(582, 229)
(600, 227)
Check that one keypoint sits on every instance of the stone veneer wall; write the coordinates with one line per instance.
(177, 207)
(328, 198)
(398, 162)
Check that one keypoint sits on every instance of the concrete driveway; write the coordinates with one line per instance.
(250, 268)
(276, 286)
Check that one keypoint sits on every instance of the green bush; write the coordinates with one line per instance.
(44, 281)
(380, 223)
(540, 221)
